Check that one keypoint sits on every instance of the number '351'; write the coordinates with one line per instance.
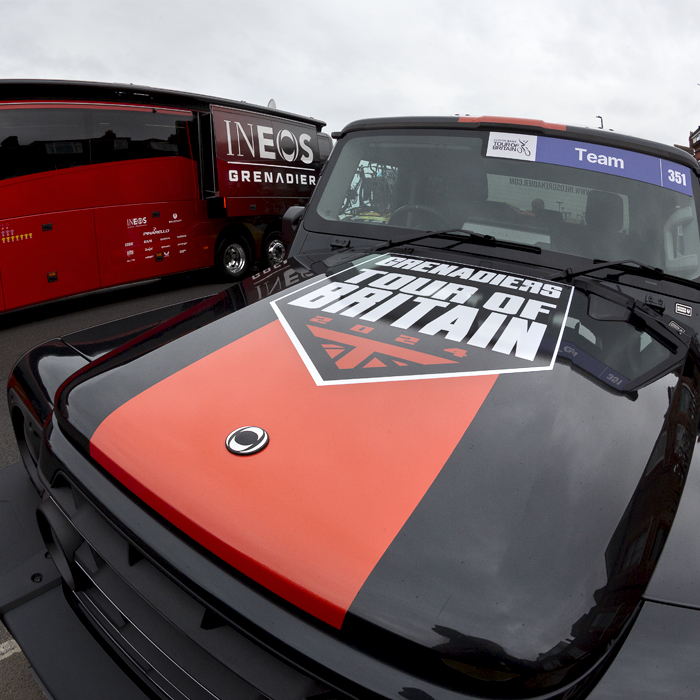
(675, 176)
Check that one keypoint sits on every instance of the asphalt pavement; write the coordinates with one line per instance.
(22, 330)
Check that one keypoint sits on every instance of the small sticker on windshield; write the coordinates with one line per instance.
(514, 146)
(683, 310)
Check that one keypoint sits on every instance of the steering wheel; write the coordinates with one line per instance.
(407, 209)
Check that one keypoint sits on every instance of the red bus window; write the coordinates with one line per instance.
(38, 140)
(121, 135)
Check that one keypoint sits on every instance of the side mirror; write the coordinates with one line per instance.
(290, 223)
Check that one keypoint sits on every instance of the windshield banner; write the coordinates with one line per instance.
(591, 156)
(394, 318)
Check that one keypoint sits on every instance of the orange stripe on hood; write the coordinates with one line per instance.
(311, 515)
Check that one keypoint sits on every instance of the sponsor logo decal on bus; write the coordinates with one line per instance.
(260, 155)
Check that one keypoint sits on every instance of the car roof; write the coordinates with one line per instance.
(525, 126)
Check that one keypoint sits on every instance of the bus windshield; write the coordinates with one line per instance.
(563, 195)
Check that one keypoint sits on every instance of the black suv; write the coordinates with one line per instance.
(445, 452)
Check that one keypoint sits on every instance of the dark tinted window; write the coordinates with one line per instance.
(122, 135)
(36, 140)
(39, 140)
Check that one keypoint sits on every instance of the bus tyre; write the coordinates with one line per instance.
(274, 251)
(233, 259)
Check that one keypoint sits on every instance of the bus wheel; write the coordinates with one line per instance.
(274, 251)
(234, 259)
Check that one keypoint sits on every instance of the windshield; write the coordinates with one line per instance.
(562, 195)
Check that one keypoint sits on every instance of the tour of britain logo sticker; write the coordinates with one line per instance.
(513, 146)
(388, 318)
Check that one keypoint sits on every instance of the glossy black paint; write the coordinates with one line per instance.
(532, 539)
(98, 341)
(25, 572)
(678, 574)
(529, 538)
(525, 569)
(658, 660)
(39, 373)
(31, 389)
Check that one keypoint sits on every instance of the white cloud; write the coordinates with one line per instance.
(339, 60)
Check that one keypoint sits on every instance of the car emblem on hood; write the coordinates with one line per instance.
(247, 440)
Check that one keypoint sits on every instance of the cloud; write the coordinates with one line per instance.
(339, 60)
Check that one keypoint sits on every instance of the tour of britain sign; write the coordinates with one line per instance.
(391, 318)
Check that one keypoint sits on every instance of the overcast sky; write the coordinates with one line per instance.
(339, 60)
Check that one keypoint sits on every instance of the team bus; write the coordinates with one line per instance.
(106, 184)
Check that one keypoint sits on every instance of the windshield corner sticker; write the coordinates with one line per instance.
(390, 318)
(515, 146)
(684, 309)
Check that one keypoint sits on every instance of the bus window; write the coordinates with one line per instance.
(38, 140)
(122, 135)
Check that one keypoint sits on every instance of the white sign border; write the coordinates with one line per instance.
(315, 374)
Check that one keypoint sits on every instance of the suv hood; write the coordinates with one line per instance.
(496, 526)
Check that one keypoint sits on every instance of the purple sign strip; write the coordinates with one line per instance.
(601, 371)
(615, 161)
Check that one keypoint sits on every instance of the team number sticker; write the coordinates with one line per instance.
(396, 318)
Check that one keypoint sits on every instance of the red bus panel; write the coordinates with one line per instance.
(48, 256)
(135, 244)
(107, 184)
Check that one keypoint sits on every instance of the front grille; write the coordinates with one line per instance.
(154, 647)
(179, 647)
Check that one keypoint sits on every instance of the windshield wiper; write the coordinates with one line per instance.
(625, 267)
(635, 266)
(461, 235)
(458, 235)
(445, 233)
